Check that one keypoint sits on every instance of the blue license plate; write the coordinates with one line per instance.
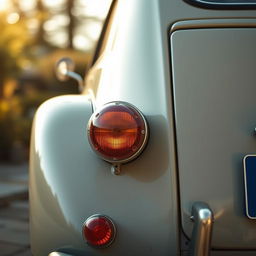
(250, 185)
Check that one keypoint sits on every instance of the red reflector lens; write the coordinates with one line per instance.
(118, 132)
(99, 231)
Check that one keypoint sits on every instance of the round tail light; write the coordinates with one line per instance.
(99, 231)
(118, 132)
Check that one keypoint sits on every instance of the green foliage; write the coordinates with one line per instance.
(16, 116)
(28, 60)
(14, 40)
(9, 113)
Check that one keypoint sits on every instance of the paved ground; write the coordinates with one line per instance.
(14, 228)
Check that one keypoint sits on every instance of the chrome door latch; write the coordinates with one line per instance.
(202, 217)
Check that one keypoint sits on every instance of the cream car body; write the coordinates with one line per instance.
(178, 64)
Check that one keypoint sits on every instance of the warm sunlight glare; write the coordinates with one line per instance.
(53, 24)
(51, 3)
(97, 8)
(27, 5)
(81, 42)
(13, 18)
(4, 5)
(93, 30)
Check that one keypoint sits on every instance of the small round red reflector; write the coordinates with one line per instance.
(117, 132)
(99, 231)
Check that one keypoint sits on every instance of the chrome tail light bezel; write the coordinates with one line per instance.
(145, 133)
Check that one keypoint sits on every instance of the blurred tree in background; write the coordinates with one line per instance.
(13, 42)
(34, 35)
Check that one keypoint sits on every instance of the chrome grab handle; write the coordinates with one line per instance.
(202, 232)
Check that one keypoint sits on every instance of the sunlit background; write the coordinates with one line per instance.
(34, 34)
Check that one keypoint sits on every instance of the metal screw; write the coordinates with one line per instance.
(116, 169)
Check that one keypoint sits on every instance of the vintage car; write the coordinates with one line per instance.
(156, 156)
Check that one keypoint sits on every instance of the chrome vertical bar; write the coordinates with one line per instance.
(202, 232)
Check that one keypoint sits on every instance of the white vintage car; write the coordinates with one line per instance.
(156, 156)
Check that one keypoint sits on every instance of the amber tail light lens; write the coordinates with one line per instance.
(118, 132)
